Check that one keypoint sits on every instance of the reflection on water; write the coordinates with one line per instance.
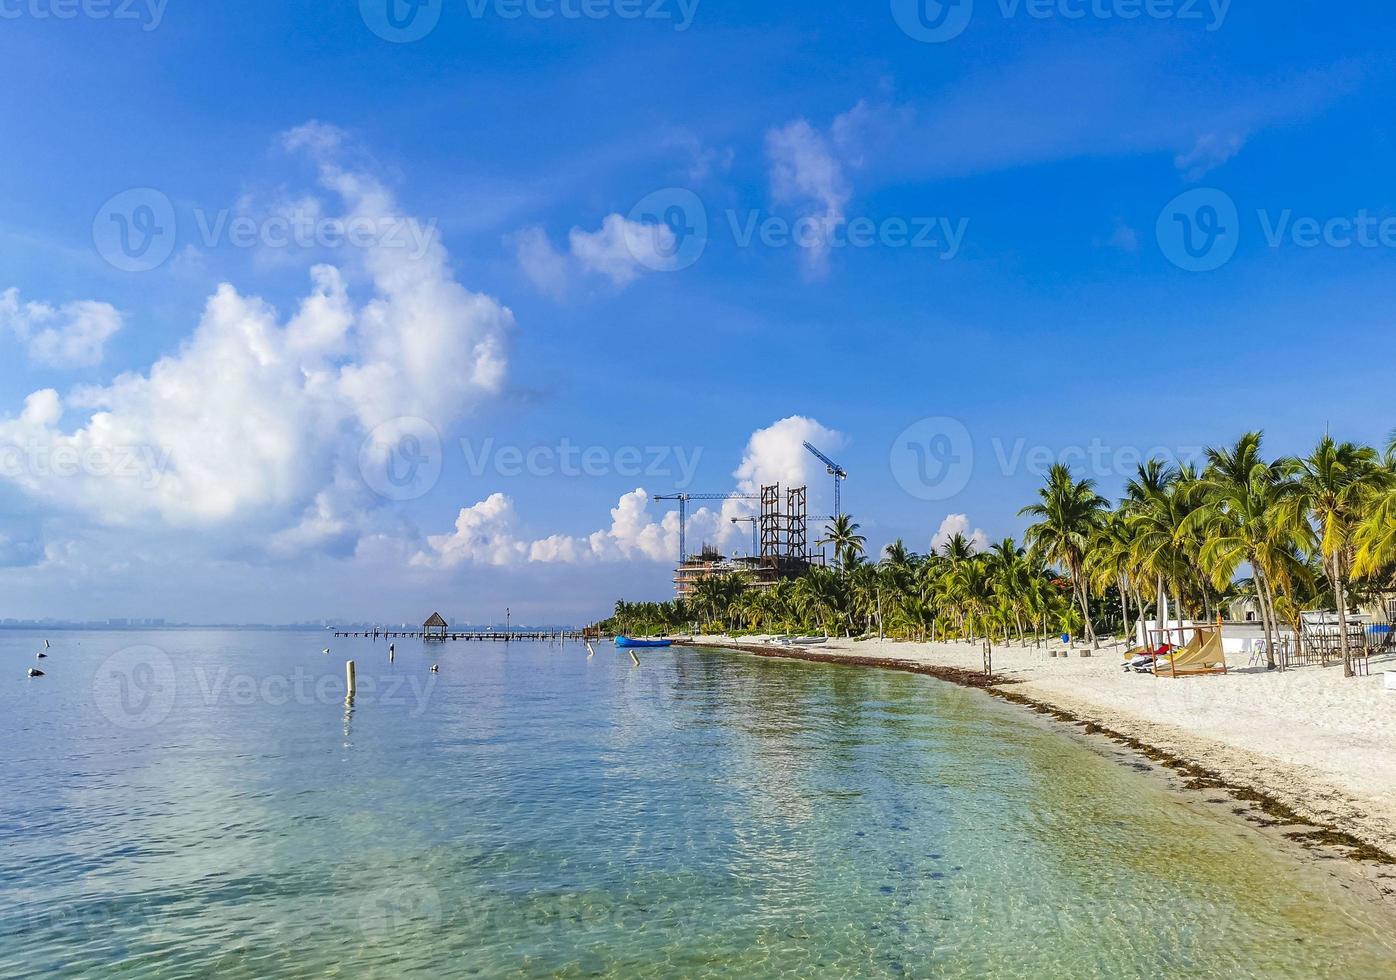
(530, 811)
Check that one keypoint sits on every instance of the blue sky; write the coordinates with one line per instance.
(1072, 161)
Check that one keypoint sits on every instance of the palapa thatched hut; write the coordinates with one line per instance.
(435, 628)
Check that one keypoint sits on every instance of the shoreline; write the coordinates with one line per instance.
(1292, 804)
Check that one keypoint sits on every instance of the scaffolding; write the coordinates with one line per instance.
(797, 524)
(772, 525)
(784, 546)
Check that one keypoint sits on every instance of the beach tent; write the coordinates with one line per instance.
(1204, 653)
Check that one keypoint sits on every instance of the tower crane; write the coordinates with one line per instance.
(837, 472)
(755, 523)
(683, 499)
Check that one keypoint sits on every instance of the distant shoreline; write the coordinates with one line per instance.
(253, 627)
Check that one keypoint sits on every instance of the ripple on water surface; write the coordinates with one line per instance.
(532, 812)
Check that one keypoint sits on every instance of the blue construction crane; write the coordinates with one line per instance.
(837, 472)
(683, 499)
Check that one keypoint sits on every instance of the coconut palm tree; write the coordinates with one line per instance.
(970, 584)
(819, 599)
(1241, 522)
(1069, 513)
(1112, 563)
(848, 544)
(1333, 488)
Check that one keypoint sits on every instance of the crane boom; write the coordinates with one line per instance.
(836, 471)
(683, 499)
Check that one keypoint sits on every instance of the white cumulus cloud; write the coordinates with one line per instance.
(69, 336)
(488, 532)
(255, 422)
(959, 524)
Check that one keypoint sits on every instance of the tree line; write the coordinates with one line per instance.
(1290, 534)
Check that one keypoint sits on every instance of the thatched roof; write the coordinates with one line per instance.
(436, 622)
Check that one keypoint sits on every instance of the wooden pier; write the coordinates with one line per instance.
(506, 636)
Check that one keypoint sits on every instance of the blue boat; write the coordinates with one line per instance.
(626, 642)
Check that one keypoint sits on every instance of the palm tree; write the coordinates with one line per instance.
(819, 598)
(1069, 513)
(1240, 523)
(971, 585)
(957, 549)
(1112, 563)
(848, 544)
(1333, 486)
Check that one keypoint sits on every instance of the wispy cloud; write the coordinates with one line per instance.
(620, 251)
(805, 174)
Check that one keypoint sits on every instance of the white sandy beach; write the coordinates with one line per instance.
(1322, 745)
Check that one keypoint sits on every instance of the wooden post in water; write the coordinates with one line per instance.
(349, 680)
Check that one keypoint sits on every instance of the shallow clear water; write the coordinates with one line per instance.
(206, 805)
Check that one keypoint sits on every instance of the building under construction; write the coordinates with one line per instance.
(784, 553)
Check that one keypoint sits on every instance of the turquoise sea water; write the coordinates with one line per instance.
(188, 804)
